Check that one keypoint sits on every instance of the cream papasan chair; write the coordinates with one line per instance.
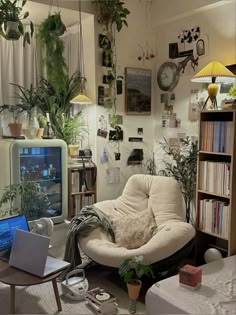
(172, 237)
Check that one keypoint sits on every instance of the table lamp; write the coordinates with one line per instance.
(213, 73)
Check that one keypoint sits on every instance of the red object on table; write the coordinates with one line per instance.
(190, 275)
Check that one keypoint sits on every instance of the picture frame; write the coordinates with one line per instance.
(138, 91)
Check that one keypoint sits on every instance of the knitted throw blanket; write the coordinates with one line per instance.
(88, 219)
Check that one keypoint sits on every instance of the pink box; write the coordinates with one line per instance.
(190, 275)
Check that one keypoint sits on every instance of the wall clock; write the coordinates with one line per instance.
(168, 76)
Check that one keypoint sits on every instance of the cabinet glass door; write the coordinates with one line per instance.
(41, 166)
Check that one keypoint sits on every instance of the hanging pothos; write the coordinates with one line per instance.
(113, 16)
(49, 33)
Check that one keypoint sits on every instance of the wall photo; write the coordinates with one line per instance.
(138, 85)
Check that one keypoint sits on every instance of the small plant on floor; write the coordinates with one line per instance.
(132, 270)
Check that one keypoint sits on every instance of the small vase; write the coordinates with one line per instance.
(33, 126)
(40, 133)
(73, 150)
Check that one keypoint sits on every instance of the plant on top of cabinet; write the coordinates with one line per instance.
(49, 33)
(49, 94)
(11, 17)
(15, 126)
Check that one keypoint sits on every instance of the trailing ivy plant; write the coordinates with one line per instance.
(13, 11)
(49, 33)
(182, 165)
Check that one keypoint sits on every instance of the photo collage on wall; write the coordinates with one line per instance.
(169, 117)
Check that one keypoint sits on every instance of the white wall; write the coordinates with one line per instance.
(127, 44)
(219, 25)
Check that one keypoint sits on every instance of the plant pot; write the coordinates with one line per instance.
(134, 287)
(15, 129)
(12, 31)
(73, 150)
(40, 133)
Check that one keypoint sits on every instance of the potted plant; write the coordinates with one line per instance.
(49, 33)
(111, 12)
(232, 91)
(182, 165)
(132, 270)
(11, 21)
(42, 120)
(15, 110)
(33, 202)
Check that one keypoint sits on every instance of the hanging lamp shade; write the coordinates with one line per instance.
(213, 73)
(81, 99)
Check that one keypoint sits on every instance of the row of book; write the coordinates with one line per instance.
(215, 136)
(81, 201)
(82, 180)
(214, 217)
(102, 301)
(214, 177)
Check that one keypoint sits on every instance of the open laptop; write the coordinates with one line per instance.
(29, 253)
(8, 226)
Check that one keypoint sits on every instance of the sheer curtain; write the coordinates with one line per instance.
(19, 65)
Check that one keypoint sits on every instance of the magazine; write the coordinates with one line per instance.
(101, 296)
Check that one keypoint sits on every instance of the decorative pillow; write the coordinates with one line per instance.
(133, 230)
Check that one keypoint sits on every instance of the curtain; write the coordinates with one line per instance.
(19, 65)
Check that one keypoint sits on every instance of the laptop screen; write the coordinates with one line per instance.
(7, 229)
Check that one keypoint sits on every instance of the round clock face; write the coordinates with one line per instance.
(168, 76)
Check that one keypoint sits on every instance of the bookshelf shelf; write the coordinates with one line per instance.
(81, 186)
(216, 182)
(215, 153)
(213, 234)
(213, 194)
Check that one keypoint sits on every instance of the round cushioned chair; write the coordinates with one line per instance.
(173, 237)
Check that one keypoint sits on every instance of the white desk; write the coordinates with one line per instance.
(217, 294)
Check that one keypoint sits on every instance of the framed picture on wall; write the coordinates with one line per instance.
(138, 91)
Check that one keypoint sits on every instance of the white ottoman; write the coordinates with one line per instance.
(217, 294)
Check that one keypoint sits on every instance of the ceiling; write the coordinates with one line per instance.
(39, 12)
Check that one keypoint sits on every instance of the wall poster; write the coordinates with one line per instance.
(138, 86)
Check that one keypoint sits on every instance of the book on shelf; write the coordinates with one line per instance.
(214, 217)
(209, 174)
(101, 296)
(216, 136)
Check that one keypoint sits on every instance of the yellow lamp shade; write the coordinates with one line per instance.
(81, 99)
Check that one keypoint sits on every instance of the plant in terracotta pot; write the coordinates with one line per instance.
(132, 270)
(12, 16)
(15, 126)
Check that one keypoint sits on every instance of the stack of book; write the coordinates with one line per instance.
(102, 301)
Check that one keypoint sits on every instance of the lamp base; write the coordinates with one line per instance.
(213, 103)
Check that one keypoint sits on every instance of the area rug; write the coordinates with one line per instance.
(39, 299)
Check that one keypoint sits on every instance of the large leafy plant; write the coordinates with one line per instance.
(13, 11)
(132, 269)
(182, 165)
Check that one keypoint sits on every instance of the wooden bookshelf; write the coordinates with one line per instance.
(216, 183)
(81, 186)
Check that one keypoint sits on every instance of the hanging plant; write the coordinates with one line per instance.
(49, 33)
(111, 12)
(11, 21)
